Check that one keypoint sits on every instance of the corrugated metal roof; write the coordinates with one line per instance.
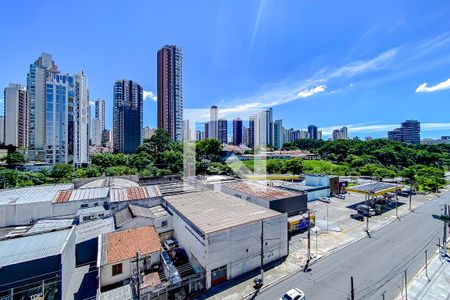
(122, 216)
(153, 191)
(92, 229)
(27, 248)
(263, 192)
(43, 193)
(128, 194)
(213, 211)
(113, 182)
(46, 225)
(81, 194)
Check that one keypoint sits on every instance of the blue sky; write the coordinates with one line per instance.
(329, 63)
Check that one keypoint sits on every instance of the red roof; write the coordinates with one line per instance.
(122, 245)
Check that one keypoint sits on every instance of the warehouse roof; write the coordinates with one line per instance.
(134, 193)
(81, 194)
(263, 192)
(112, 182)
(375, 188)
(92, 229)
(213, 211)
(47, 225)
(43, 193)
(122, 245)
(27, 248)
(133, 211)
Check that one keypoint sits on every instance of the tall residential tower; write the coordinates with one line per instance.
(170, 91)
(127, 116)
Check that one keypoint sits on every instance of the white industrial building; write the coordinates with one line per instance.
(93, 200)
(223, 233)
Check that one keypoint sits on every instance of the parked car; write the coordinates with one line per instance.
(366, 210)
(357, 216)
(170, 244)
(293, 294)
(325, 199)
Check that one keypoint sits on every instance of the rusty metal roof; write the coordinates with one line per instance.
(260, 191)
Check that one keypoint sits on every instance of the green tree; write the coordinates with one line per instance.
(62, 172)
(14, 158)
(119, 171)
(209, 149)
(294, 165)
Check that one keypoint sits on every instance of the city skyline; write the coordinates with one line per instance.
(394, 69)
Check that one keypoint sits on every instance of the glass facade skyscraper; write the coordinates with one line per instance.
(127, 116)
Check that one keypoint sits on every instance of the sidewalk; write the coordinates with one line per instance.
(436, 286)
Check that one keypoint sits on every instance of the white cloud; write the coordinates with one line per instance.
(358, 67)
(91, 103)
(282, 92)
(150, 95)
(424, 88)
(309, 92)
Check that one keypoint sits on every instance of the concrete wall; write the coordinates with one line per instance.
(128, 266)
(142, 221)
(189, 239)
(239, 247)
(22, 213)
(68, 264)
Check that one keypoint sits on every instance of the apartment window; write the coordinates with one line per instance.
(117, 269)
(163, 223)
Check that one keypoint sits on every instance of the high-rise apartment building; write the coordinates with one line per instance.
(170, 91)
(409, 132)
(222, 131)
(37, 76)
(213, 122)
(237, 131)
(340, 134)
(17, 115)
(148, 132)
(59, 120)
(98, 123)
(2, 130)
(246, 136)
(253, 134)
(100, 112)
(206, 130)
(127, 116)
(278, 136)
(313, 132)
(81, 120)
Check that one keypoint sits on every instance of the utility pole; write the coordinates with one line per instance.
(426, 264)
(444, 241)
(367, 214)
(328, 204)
(396, 206)
(309, 236)
(138, 279)
(262, 251)
(316, 244)
(352, 292)
(406, 286)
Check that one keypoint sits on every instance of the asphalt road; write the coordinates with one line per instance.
(377, 264)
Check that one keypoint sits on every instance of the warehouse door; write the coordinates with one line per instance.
(218, 275)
